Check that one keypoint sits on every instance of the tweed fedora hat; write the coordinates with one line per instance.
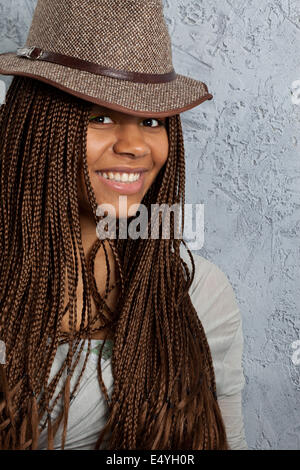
(114, 53)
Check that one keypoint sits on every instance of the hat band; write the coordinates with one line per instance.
(68, 61)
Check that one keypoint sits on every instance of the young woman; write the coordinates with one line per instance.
(110, 343)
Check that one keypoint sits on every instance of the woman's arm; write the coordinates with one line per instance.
(230, 394)
(214, 300)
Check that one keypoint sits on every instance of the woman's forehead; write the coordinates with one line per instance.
(96, 108)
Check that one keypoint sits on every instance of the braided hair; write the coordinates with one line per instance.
(164, 394)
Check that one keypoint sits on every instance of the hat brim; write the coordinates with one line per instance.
(138, 99)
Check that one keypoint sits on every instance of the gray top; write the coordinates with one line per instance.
(215, 303)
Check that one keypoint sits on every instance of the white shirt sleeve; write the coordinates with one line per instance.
(214, 300)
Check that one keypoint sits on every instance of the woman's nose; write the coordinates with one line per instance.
(130, 141)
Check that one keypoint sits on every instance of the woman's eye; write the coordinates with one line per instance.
(160, 123)
(99, 119)
(147, 122)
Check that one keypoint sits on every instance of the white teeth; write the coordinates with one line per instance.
(123, 177)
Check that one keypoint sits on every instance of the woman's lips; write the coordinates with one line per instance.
(124, 188)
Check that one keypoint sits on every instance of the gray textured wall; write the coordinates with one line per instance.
(243, 165)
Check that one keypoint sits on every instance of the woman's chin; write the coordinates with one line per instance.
(123, 207)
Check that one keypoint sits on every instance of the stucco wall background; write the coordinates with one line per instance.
(243, 164)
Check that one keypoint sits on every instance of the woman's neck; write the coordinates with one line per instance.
(89, 236)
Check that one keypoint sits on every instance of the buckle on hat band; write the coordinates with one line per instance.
(30, 52)
(73, 62)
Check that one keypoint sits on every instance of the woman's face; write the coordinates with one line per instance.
(124, 155)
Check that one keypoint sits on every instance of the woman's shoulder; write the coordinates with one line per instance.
(209, 280)
(215, 303)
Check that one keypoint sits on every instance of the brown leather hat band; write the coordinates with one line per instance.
(38, 54)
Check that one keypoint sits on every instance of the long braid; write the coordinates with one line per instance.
(164, 394)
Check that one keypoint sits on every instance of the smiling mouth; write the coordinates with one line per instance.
(122, 182)
(120, 177)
